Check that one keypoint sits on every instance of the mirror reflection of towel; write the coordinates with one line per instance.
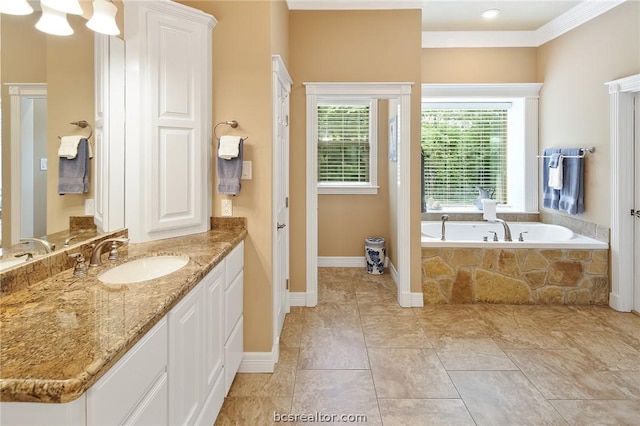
(73, 174)
(230, 173)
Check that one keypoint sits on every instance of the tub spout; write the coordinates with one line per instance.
(444, 218)
(507, 230)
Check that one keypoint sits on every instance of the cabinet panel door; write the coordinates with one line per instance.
(233, 304)
(213, 289)
(185, 358)
(233, 354)
(152, 410)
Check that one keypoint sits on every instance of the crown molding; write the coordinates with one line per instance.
(353, 4)
(573, 18)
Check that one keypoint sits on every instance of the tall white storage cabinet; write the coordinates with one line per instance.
(168, 109)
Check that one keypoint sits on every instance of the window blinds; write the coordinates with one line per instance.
(343, 142)
(464, 148)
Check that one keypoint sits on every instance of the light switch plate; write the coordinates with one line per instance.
(43, 164)
(227, 207)
(89, 207)
(246, 170)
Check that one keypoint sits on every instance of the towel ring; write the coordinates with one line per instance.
(83, 125)
(233, 124)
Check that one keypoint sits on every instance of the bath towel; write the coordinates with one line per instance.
(230, 173)
(229, 147)
(555, 171)
(69, 146)
(572, 192)
(550, 196)
(73, 174)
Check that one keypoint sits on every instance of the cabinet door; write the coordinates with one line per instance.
(185, 358)
(213, 288)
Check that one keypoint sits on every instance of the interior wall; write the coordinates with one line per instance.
(574, 103)
(243, 41)
(23, 51)
(479, 65)
(355, 49)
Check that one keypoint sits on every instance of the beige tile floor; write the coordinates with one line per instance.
(359, 353)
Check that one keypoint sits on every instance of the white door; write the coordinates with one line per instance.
(281, 91)
(636, 291)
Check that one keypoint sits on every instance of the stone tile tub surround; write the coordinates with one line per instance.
(60, 335)
(515, 276)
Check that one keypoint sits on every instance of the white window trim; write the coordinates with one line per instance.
(529, 93)
(345, 188)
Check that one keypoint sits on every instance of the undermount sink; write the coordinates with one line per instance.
(146, 268)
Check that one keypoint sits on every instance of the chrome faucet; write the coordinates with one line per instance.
(95, 259)
(444, 218)
(507, 230)
(48, 246)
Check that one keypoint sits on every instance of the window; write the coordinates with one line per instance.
(347, 145)
(480, 135)
(465, 147)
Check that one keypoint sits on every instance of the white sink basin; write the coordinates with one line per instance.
(146, 268)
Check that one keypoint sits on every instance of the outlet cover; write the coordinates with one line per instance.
(89, 207)
(227, 207)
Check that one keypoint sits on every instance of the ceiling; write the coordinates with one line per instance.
(515, 15)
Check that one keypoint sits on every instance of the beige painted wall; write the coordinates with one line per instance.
(246, 36)
(574, 104)
(479, 65)
(361, 46)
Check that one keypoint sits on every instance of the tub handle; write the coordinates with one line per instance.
(495, 235)
(521, 238)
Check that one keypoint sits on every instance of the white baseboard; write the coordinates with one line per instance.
(297, 298)
(345, 261)
(260, 362)
(414, 300)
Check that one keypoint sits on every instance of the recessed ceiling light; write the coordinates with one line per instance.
(490, 13)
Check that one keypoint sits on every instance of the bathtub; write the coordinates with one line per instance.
(538, 235)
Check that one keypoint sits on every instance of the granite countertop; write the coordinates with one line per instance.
(59, 336)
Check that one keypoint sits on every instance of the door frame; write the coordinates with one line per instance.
(373, 90)
(280, 171)
(18, 92)
(621, 94)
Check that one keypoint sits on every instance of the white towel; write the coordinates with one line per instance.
(489, 209)
(229, 147)
(555, 175)
(69, 146)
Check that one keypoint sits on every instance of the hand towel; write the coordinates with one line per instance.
(229, 147)
(555, 171)
(489, 209)
(572, 192)
(69, 146)
(230, 173)
(73, 174)
(550, 196)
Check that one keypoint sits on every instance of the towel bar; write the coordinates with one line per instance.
(83, 125)
(584, 153)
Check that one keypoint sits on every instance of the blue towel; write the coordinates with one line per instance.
(230, 173)
(73, 174)
(572, 192)
(550, 196)
(553, 161)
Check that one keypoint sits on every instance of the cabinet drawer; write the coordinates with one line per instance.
(234, 262)
(233, 305)
(111, 399)
(233, 355)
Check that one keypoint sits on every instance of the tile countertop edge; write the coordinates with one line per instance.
(63, 391)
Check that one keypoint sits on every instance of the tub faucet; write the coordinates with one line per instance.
(507, 230)
(95, 259)
(444, 218)
(48, 246)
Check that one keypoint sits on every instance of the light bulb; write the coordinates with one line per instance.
(490, 13)
(15, 7)
(54, 22)
(104, 18)
(67, 6)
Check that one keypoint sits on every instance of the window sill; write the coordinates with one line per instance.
(473, 210)
(347, 190)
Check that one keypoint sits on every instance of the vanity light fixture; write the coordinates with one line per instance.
(104, 18)
(16, 7)
(71, 7)
(54, 22)
(490, 13)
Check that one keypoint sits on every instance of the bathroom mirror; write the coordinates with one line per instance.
(64, 67)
